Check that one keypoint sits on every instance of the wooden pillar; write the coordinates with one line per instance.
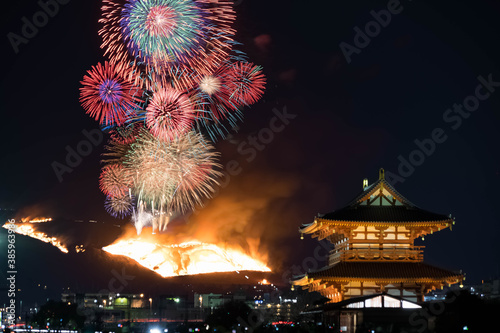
(382, 287)
(421, 293)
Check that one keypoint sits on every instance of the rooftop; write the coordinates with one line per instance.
(383, 271)
(380, 202)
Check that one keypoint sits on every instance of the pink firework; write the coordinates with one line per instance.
(169, 114)
(161, 21)
(108, 94)
(247, 84)
(115, 180)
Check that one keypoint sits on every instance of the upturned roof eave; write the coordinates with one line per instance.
(330, 221)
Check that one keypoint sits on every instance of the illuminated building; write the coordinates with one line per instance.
(113, 308)
(374, 248)
(213, 301)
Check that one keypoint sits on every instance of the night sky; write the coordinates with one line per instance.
(347, 117)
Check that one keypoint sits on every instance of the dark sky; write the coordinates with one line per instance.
(351, 118)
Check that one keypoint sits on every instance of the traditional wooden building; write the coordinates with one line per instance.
(374, 248)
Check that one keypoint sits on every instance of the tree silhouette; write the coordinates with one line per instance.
(228, 316)
(468, 310)
(59, 315)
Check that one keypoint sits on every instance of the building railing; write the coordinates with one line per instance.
(413, 253)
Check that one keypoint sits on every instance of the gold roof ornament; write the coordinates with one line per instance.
(381, 174)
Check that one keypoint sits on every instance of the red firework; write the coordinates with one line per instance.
(247, 83)
(108, 94)
(115, 180)
(169, 114)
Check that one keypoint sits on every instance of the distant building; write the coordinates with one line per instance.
(276, 312)
(134, 308)
(489, 289)
(213, 301)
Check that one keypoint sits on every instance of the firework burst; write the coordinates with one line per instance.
(173, 176)
(173, 73)
(165, 33)
(169, 114)
(162, 32)
(108, 95)
(214, 98)
(247, 84)
(119, 206)
(115, 180)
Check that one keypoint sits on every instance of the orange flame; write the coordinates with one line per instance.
(28, 230)
(187, 258)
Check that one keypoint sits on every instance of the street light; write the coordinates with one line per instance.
(150, 308)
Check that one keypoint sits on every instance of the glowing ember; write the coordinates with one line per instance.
(28, 230)
(36, 220)
(186, 258)
(79, 248)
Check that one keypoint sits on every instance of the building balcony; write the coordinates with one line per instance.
(413, 253)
